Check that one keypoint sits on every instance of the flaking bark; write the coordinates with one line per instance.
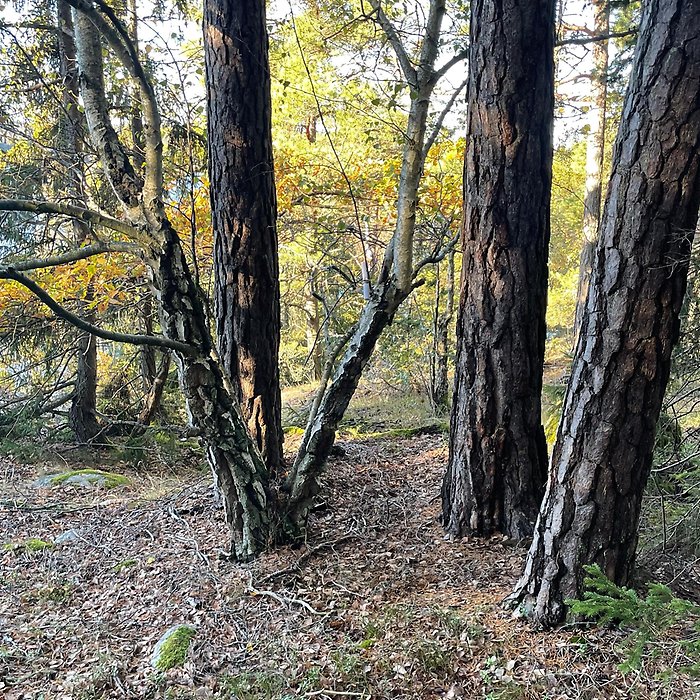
(603, 454)
(497, 464)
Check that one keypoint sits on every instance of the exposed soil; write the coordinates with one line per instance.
(378, 604)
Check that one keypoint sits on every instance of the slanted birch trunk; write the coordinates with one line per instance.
(238, 467)
(396, 279)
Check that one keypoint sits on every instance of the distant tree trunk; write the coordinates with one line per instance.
(441, 331)
(313, 330)
(244, 212)
(595, 152)
(82, 416)
(153, 396)
(498, 457)
(603, 453)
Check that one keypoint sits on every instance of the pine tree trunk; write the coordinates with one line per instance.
(82, 416)
(595, 153)
(603, 454)
(244, 212)
(497, 465)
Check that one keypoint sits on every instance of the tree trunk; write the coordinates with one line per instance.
(153, 396)
(319, 436)
(237, 464)
(497, 465)
(313, 331)
(603, 454)
(244, 212)
(441, 332)
(395, 281)
(595, 153)
(82, 416)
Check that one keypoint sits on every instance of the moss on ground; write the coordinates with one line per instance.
(171, 651)
(33, 544)
(109, 480)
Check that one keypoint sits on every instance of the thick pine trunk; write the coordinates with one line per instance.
(82, 416)
(244, 212)
(497, 465)
(595, 153)
(603, 454)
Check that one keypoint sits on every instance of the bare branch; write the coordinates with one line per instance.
(87, 215)
(441, 118)
(407, 68)
(436, 257)
(154, 340)
(457, 58)
(70, 256)
(601, 37)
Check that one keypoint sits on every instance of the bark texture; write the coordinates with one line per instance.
(595, 153)
(497, 465)
(603, 454)
(236, 462)
(244, 212)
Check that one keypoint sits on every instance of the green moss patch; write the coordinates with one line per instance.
(33, 544)
(86, 477)
(171, 650)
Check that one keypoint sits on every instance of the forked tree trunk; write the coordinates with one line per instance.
(603, 453)
(319, 436)
(595, 154)
(244, 212)
(82, 416)
(498, 458)
(395, 281)
(236, 462)
(153, 396)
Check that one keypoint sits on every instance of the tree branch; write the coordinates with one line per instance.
(601, 37)
(438, 124)
(407, 68)
(437, 256)
(154, 340)
(457, 58)
(87, 215)
(70, 256)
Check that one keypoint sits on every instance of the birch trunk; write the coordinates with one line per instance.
(393, 286)
(498, 456)
(603, 453)
(237, 464)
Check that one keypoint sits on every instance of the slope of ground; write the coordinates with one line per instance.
(378, 604)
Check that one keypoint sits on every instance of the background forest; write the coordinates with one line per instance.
(107, 497)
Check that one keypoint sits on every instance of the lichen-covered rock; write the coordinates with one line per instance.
(171, 649)
(83, 478)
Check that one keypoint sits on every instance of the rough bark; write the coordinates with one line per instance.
(244, 212)
(497, 464)
(603, 454)
(153, 396)
(595, 152)
(82, 416)
(236, 462)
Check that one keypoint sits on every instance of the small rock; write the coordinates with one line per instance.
(171, 649)
(67, 536)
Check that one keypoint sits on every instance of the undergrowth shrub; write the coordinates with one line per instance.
(648, 621)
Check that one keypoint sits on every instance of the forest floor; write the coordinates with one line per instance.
(377, 604)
